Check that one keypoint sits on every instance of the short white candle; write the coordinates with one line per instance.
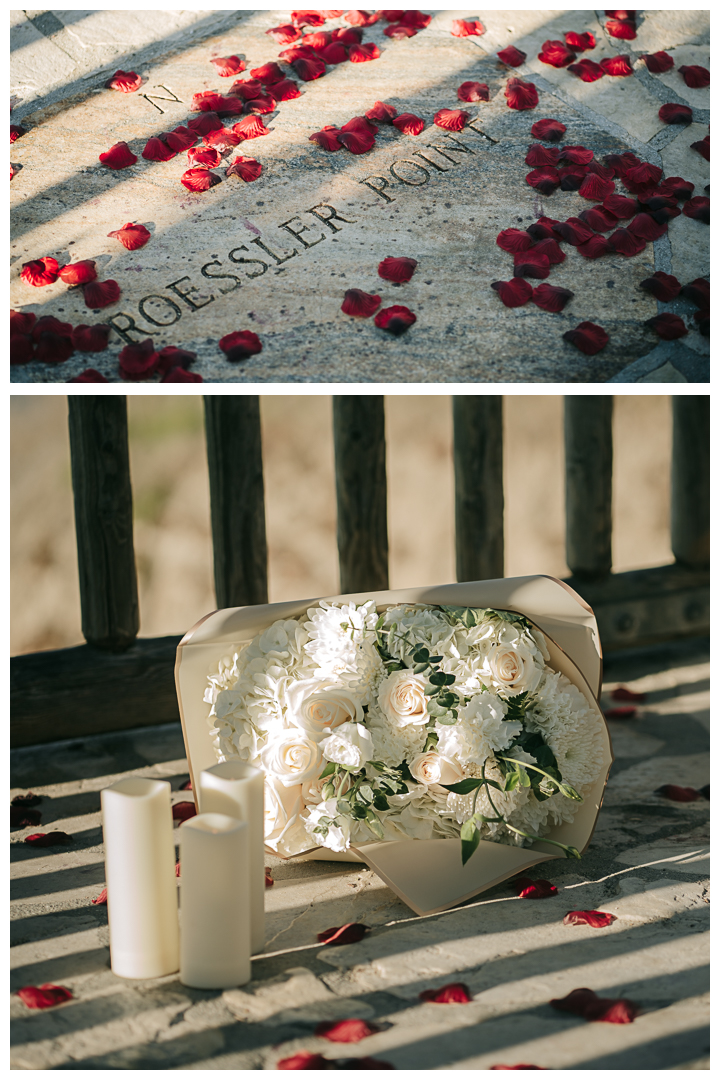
(237, 789)
(214, 902)
(140, 875)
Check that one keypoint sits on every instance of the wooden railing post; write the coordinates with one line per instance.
(103, 520)
(479, 499)
(588, 485)
(690, 528)
(361, 486)
(237, 499)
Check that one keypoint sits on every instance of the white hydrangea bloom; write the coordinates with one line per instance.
(481, 729)
(341, 643)
(572, 730)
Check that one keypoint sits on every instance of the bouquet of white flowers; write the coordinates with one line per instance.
(418, 721)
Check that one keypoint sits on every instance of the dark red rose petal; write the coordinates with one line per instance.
(545, 180)
(580, 42)
(621, 162)
(513, 293)
(44, 997)
(473, 91)
(228, 65)
(521, 95)
(248, 89)
(48, 324)
(360, 303)
(361, 18)
(621, 712)
(179, 139)
(589, 1006)
(269, 881)
(381, 113)
(549, 130)
(556, 54)
(204, 124)
(119, 156)
(527, 889)
(199, 179)
(16, 132)
(310, 18)
(399, 31)
(617, 65)
(139, 360)
(360, 125)
(572, 231)
(54, 348)
(180, 375)
(551, 297)
(240, 344)
(22, 349)
(183, 811)
(702, 147)
(621, 206)
(395, 319)
(248, 169)
(578, 155)
(678, 794)
(348, 35)
(131, 236)
(221, 140)
(409, 124)
(640, 176)
(698, 208)
(594, 187)
(304, 1060)
(40, 272)
(597, 919)
(21, 817)
(318, 40)
(698, 292)
(512, 57)
(673, 113)
(621, 693)
(695, 76)
(451, 119)
(205, 157)
(157, 150)
(646, 227)
(541, 228)
(451, 994)
(667, 326)
(663, 287)
(421, 20)
(284, 35)
(467, 28)
(357, 142)
(51, 839)
(587, 337)
(250, 127)
(397, 268)
(625, 243)
(514, 240)
(658, 62)
(265, 103)
(345, 1031)
(30, 798)
(127, 82)
(210, 102)
(531, 264)
(391, 16)
(101, 899)
(285, 90)
(657, 202)
(598, 218)
(359, 54)
(572, 176)
(587, 70)
(89, 375)
(618, 28)
(552, 249)
(168, 358)
(604, 171)
(327, 138)
(343, 935)
(594, 248)
(537, 156)
(100, 294)
(90, 338)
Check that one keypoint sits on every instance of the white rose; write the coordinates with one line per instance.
(316, 704)
(435, 770)
(401, 697)
(350, 745)
(292, 757)
(513, 666)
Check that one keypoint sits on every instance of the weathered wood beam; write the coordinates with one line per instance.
(588, 485)
(690, 526)
(479, 499)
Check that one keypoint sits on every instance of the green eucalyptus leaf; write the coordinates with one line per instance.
(448, 720)
(359, 811)
(419, 668)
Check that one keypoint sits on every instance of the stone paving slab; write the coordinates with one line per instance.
(647, 865)
(315, 224)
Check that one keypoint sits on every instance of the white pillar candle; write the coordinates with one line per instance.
(140, 875)
(237, 789)
(214, 902)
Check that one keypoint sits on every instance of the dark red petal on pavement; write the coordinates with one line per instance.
(589, 918)
(199, 179)
(467, 28)
(285, 90)
(318, 40)
(29, 798)
(397, 268)
(265, 103)
(102, 898)
(119, 156)
(327, 138)
(525, 887)
(357, 142)
(284, 35)
(396, 319)
(44, 997)
(698, 208)
(573, 231)
(626, 243)
(343, 935)
(658, 62)
(180, 138)
(646, 227)
(578, 155)
(702, 147)
(521, 95)
(361, 125)
(618, 28)
(589, 1006)
(621, 693)
(621, 206)
(381, 113)
(228, 65)
(54, 348)
(473, 91)
(513, 293)
(51, 839)
(545, 180)
(40, 272)
(587, 70)
(100, 294)
(672, 113)
(697, 292)
(617, 65)
(580, 42)
(360, 303)
(22, 349)
(48, 324)
(209, 102)
(639, 177)
(248, 169)
(541, 228)
(16, 132)
(621, 162)
(538, 155)
(361, 18)
(531, 264)
(551, 297)
(663, 287)
(304, 1060)
(421, 20)
(621, 712)
(157, 150)
(345, 1031)
(587, 337)
(606, 172)
(21, 817)
(594, 247)
(206, 157)
(549, 130)
(359, 54)
(271, 73)
(598, 218)
(552, 249)
(348, 35)
(222, 140)
(204, 124)
(240, 344)
(139, 360)
(512, 57)
(250, 127)
(247, 89)
(399, 31)
(180, 375)
(695, 76)
(310, 18)
(451, 994)
(667, 326)
(409, 124)
(678, 794)
(556, 54)
(334, 53)
(594, 187)
(451, 119)
(131, 236)
(514, 240)
(127, 82)
(168, 358)
(90, 338)
(572, 176)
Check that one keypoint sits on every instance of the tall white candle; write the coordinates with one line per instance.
(237, 789)
(214, 902)
(140, 875)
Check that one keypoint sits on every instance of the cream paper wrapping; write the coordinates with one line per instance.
(428, 875)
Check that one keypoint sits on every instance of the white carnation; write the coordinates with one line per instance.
(350, 745)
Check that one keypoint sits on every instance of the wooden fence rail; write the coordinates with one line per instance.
(118, 681)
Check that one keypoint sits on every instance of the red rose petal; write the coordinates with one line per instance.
(395, 319)
(545, 180)
(587, 337)
(101, 899)
(51, 839)
(345, 1031)
(157, 150)
(512, 57)
(100, 294)
(22, 349)
(621, 693)
(702, 147)
(551, 297)
(531, 264)
(397, 268)
(667, 326)
(327, 138)
(514, 240)
(587, 70)
(44, 997)
(578, 155)
(304, 1060)
(54, 348)
(138, 361)
(357, 142)
(698, 292)
(658, 62)
(131, 236)
(78, 273)
(90, 338)
(556, 54)
(89, 375)
(248, 89)
(420, 20)
(604, 171)
(572, 176)
(127, 82)
(119, 156)
(617, 65)
(204, 124)
(350, 932)
(210, 102)
(640, 176)
(284, 35)
(594, 187)
(597, 919)
(359, 54)
(180, 138)
(409, 124)
(678, 794)
(361, 18)
(621, 162)
(199, 179)
(180, 375)
(248, 169)
(21, 817)
(621, 206)
(589, 1006)
(265, 103)
(467, 28)
(695, 76)
(48, 324)
(541, 228)
(537, 155)
(549, 130)
(360, 303)
(391, 16)
(698, 208)
(381, 113)
(673, 113)
(621, 712)
(269, 882)
(552, 249)
(334, 53)
(625, 31)
(317, 40)
(40, 272)
(348, 35)
(473, 91)
(183, 811)
(221, 140)
(599, 219)
(513, 293)
(580, 42)
(525, 887)
(307, 70)
(646, 227)
(521, 95)
(399, 31)
(451, 994)
(572, 231)
(168, 358)
(625, 243)
(451, 119)
(205, 157)
(309, 18)
(228, 65)
(240, 344)
(285, 90)
(250, 127)
(29, 798)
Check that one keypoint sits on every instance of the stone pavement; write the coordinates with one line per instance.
(647, 864)
(276, 257)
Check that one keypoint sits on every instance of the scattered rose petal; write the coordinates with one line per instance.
(521, 95)
(512, 57)
(309, 69)
(421, 20)
(327, 138)
(702, 147)
(168, 358)
(345, 1031)
(157, 150)
(304, 1060)
(51, 839)
(90, 338)
(310, 18)
(545, 180)
(409, 124)
(695, 76)
(626, 243)
(556, 54)
(180, 138)
(284, 35)
(598, 218)
(646, 227)
(538, 155)
(248, 169)
(594, 187)
(451, 119)
(589, 1006)
(357, 142)
(180, 375)
(473, 91)
(265, 103)
(54, 348)
(100, 294)
(48, 324)
(617, 28)
(580, 42)
(360, 124)
(381, 113)
(572, 231)
(361, 18)
(22, 349)
(395, 319)
(597, 919)
(89, 375)
(228, 65)
(621, 693)
(399, 31)
(127, 82)
(606, 172)
(551, 248)
(131, 236)
(587, 70)
(240, 344)
(317, 40)
(30, 798)
(348, 35)
(514, 240)
(40, 272)
(658, 62)
(16, 132)
(222, 140)
(205, 157)
(101, 899)
(78, 273)
(285, 90)
(397, 268)
(698, 292)
(44, 997)
(203, 125)
(360, 54)
(698, 208)
(467, 28)
(183, 811)
(525, 887)
(667, 326)
(360, 303)
(621, 206)
(210, 102)
(451, 994)
(21, 817)
(541, 228)
(572, 176)
(248, 89)
(621, 162)
(549, 130)
(513, 293)
(199, 179)
(119, 156)
(673, 113)
(343, 935)
(250, 127)
(639, 177)
(531, 264)
(139, 360)
(617, 65)
(587, 337)
(551, 297)
(269, 881)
